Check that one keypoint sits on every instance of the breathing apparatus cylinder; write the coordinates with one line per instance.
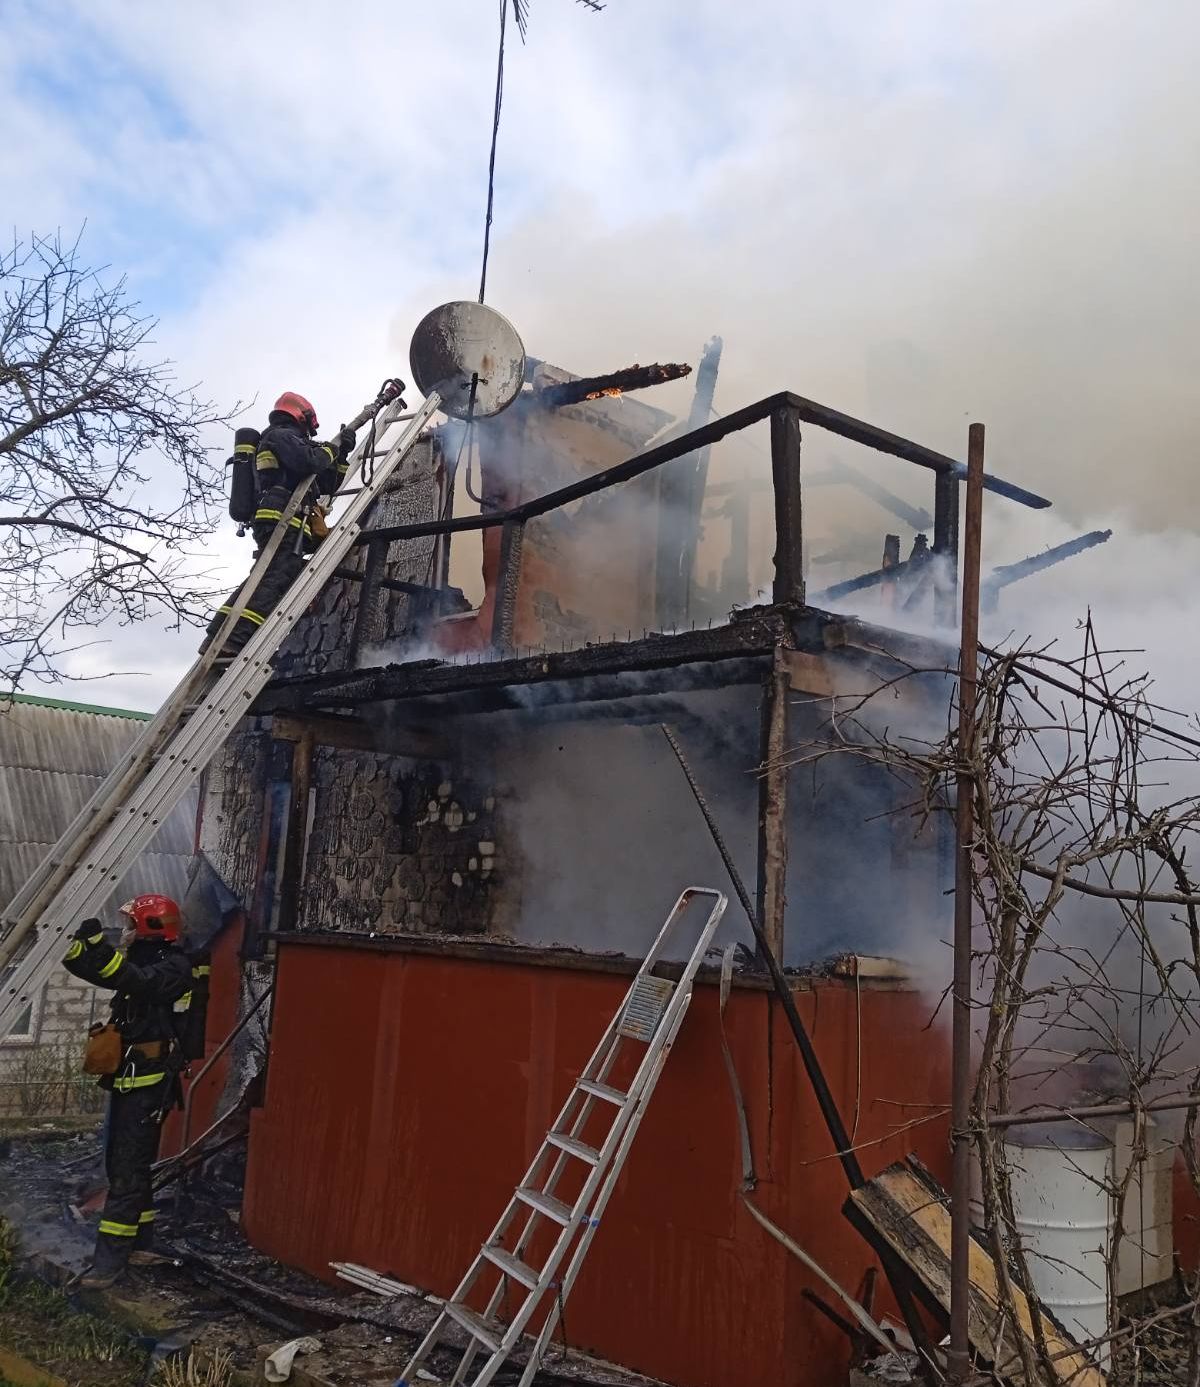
(243, 478)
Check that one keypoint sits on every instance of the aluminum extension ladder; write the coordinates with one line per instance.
(649, 1017)
(150, 779)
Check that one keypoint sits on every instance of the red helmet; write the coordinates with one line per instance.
(154, 917)
(299, 408)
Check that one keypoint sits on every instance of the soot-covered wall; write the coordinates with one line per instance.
(556, 826)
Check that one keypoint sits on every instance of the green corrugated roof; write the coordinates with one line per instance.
(73, 707)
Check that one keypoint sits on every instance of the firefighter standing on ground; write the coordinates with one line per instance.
(152, 978)
(284, 455)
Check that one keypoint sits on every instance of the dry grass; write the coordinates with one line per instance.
(215, 1370)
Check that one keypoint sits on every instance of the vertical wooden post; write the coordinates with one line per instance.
(772, 807)
(958, 1361)
(891, 557)
(945, 548)
(367, 625)
(785, 476)
(291, 874)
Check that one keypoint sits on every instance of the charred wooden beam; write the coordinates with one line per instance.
(785, 475)
(772, 805)
(1008, 573)
(352, 734)
(635, 377)
(870, 580)
(806, 411)
(614, 669)
(945, 548)
(391, 584)
(891, 561)
(756, 632)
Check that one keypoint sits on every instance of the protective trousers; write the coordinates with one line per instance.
(282, 571)
(127, 1222)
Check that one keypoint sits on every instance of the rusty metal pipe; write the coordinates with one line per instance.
(958, 1362)
(211, 1060)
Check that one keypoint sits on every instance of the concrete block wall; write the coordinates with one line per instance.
(68, 1008)
(40, 1073)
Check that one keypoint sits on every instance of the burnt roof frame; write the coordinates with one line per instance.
(786, 412)
(804, 411)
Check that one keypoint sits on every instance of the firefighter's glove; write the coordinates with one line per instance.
(88, 931)
(345, 442)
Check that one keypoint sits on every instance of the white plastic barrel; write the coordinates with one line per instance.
(1061, 1175)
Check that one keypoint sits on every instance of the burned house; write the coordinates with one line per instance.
(456, 823)
(457, 830)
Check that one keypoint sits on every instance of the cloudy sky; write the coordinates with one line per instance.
(919, 210)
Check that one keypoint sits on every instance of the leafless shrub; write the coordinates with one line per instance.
(1086, 953)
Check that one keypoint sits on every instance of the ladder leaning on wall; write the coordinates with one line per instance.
(150, 779)
(593, 1134)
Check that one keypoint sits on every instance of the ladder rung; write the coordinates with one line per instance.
(574, 1147)
(545, 1204)
(510, 1265)
(605, 1091)
(488, 1332)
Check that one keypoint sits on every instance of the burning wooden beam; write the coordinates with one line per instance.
(635, 377)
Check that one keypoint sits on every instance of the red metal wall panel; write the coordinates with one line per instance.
(407, 1093)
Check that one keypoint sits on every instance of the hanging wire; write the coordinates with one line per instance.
(521, 12)
(491, 191)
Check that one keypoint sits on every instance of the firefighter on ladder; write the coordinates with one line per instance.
(147, 1038)
(284, 455)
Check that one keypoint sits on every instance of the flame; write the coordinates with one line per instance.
(599, 394)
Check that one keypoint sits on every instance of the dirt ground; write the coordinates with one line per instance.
(220, 1293)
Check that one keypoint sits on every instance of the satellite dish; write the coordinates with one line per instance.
(463, 344)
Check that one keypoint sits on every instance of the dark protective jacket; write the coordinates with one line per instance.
(152, 984)
(286, 456)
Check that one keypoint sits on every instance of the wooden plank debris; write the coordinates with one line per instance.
(906, 1210)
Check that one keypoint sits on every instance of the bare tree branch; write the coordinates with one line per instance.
(1086, 955)
(106, 484)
